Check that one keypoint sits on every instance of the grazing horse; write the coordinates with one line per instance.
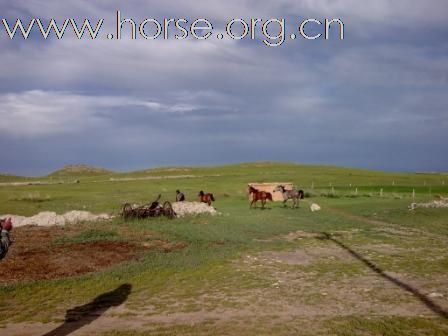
(294, 194)
(259, 196)
(206, 198)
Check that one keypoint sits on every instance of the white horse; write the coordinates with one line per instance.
(294, 194)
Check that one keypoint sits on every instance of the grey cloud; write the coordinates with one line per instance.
(373, 100)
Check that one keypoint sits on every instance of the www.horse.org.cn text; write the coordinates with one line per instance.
(271, 32)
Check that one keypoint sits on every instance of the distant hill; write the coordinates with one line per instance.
(80, 169)
(261, 171)
(4, 177)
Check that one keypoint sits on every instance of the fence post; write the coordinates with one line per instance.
(381, 192)
(413, 193)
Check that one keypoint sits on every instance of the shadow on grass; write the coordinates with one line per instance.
(78, 317)
(423, 298)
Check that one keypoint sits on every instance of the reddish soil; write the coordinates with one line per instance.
(35, 256)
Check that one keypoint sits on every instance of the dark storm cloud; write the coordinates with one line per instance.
(377, 99)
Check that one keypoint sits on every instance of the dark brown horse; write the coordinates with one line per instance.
(206, 198)
(5, 241)
(259, 196)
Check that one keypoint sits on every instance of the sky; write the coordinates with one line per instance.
(377, 99)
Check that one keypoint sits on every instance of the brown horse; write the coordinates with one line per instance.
(206, 198)
(259, 196)
(5, 241)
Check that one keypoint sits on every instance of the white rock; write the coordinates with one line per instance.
(435, 295)
(315, 207)
(192, 208)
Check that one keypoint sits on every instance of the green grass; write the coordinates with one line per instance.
(211, 262)
(99, 193)
(396, 326)
(33, 197)
(88, 236)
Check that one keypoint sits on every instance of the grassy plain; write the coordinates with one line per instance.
(364, 265)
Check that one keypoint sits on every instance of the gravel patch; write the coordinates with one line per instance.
(442, 203)
(48, 218)
(193, 208)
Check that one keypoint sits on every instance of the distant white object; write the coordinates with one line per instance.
(435, 295)
(315, 207)
(441, 203)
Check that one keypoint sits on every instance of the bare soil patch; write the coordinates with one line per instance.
(306, 256)
(34, 254)
(300, 291)
(386, 249)
(302, 234)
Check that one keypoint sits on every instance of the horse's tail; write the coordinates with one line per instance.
(301, 194)
(212, 198)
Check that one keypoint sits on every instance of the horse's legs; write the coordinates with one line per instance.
(284, 203)
(263, 202)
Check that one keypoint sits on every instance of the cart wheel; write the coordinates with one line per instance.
(127, 211)
(142, 213)
(168, 210)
